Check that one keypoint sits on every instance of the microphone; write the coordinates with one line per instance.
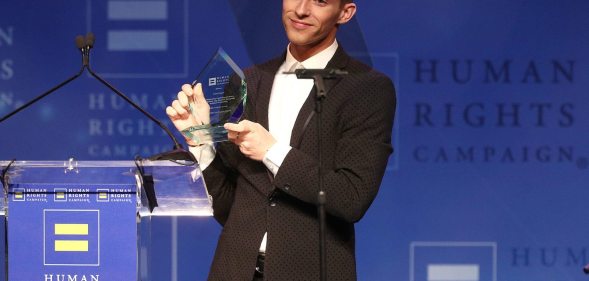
(328, 73)
(80, 42)
(88, 44)
(318, 75)
(90, 38)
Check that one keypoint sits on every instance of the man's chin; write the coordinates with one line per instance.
(300, 40)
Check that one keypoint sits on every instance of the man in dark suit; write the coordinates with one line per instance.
(264, 182)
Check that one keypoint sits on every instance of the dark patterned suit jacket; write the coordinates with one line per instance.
(356, 139)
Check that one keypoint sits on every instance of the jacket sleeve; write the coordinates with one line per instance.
(220, 180)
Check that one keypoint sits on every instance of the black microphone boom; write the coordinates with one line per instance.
(178, 153)
(80, 45)
(84, 45)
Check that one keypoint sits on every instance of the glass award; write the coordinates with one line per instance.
(224, 87)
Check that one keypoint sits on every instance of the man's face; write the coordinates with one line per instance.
(312, 22)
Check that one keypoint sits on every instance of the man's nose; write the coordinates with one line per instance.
(303, 8)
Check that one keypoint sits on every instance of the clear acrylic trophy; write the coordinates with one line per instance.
(224, 87)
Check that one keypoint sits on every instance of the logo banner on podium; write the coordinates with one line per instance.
(72, 232)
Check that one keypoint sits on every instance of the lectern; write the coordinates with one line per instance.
(91, 220)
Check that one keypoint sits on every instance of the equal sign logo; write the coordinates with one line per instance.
(140, 39)
(60, 195)
(213, 81)
(64, 244)
(18, 194)
(453, 272)
(71, 237)
(102, 195)
(137, 39)
(452, 261)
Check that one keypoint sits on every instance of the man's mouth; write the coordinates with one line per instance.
(299, 24)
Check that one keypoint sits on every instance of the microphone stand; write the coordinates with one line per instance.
(84, 45)
(29, 103)
(321, 95)
(178, 153)
(80, 43)
(319, 76)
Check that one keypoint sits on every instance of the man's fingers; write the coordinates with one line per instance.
(234, 127)
(180, 110)
(244, 147)
(244, 126)
(252, 138)
(183, 99)
(199, 96)
(187, 89)
(248, 126)
(196, 93)
(232, 135)
(171, 112)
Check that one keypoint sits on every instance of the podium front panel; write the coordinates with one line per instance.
(72, 224)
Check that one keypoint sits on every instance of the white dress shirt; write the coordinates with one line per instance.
(287, 98)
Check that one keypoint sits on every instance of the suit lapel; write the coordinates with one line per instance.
(339, 61)
(264, 89)
(263, 78)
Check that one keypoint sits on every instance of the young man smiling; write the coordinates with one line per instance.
(264, 182)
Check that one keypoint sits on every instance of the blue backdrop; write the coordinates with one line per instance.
(489, 176)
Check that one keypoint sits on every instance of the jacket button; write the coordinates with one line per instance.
(272, 198)
(286, 187)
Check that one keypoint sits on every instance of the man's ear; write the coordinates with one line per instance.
(347, 13)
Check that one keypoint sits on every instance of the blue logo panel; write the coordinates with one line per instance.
(72, 237)
(141, 35)
(61, 230)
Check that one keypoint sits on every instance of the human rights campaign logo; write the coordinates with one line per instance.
(102, 195)
(71, 237)
(453, 261)
(18, 194)
(148, 38)
(60, 195)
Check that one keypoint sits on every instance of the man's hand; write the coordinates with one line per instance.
(252, 138)
(189, 109)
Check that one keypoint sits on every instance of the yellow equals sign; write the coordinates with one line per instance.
(71, 245)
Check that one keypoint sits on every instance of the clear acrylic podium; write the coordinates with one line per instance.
(91, 220)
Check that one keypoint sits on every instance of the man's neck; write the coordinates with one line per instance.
(302, 53)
